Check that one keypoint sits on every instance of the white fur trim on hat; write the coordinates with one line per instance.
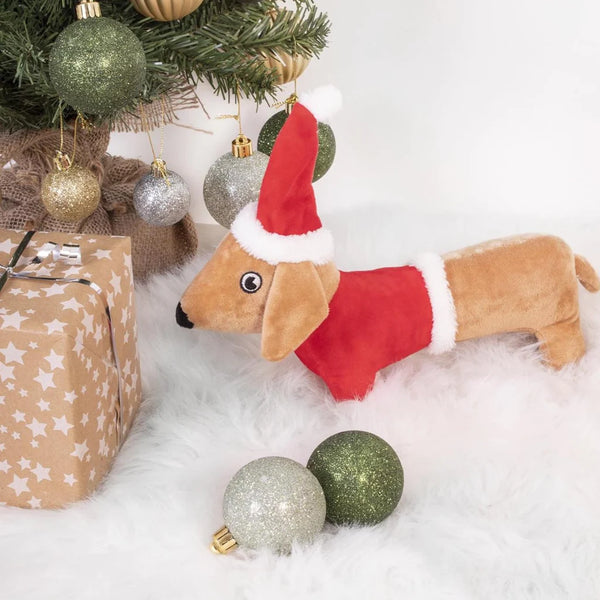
(323, 102)
(315, 246)
(443, 331)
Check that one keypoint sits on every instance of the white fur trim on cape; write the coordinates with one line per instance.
(443, 331)
(323, 102)
(315, 246)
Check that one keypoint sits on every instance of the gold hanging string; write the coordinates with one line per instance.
(238, 116)
(62, 162)
(159, 166)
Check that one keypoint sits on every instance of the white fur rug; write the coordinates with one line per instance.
(501, 457)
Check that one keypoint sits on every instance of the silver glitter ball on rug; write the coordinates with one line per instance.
(272, 503)
(160, 201)
(233, 181)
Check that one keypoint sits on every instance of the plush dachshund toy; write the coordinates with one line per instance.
(274, 273)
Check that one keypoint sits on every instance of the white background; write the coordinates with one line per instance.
(450, 106)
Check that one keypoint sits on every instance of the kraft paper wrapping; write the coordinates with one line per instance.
(59, 396)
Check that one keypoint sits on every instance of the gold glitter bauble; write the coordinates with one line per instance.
(72, 194)
(166, 10)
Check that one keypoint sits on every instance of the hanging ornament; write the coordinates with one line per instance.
(166, 10)
(287, 67)
(97, 65)
(270, 130)
(161, 197)
(235, 178)
(70, 192)
(272, 502)
(361, 476)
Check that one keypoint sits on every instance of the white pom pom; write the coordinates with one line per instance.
(323, 102)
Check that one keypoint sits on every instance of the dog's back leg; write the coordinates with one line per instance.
(562, 343)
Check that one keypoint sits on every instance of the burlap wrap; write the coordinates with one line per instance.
(31, 152)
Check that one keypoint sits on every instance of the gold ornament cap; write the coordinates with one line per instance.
(88, 8)
(289, 103)
(241, 147)
(223, 542)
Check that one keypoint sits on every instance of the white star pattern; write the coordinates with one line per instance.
(13, 320)
(23, 393)
(84, 419)
(62, 425)
(54, 290)
(72, 304)
(55, 325)
(19, 416)
(100, 254)
(16, 292)
(34, 502)
(32, 294)
(70, 397)
(45, 379)
(44, 406)
(70, 479)
(37, 428)
(88, 322)
(7, 246)
(100, 420)
(80, 450)
(4, 466)
(24, 463)
(98, 335)
(92, 474)
(55, 360)
(103, 448)
(19, 485)
(33, 345)
(6, 372)
(115, 282)
(34, 443)
(42, 473)
(12, 354)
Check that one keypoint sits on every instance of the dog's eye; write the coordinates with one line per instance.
(250, 282)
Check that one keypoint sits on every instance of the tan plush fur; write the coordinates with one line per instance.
(291, 303)
(527, 283)
(521, 284)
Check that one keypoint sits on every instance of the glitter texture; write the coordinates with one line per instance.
(270, 130)
(361, 476)
(274, 502)
(71, 195)
(97, 66)
(159, 203)
(231, 183)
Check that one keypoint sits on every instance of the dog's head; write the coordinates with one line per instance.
(237, 292)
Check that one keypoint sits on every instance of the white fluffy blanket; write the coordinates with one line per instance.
(501, 457)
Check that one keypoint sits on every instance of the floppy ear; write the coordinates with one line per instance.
(295, 307)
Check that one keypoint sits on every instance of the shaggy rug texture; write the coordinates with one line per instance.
(501, 459)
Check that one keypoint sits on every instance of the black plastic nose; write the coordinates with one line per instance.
(182, 318)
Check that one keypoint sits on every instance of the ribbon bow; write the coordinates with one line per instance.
(70, 254)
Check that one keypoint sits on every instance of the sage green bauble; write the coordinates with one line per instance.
(270, 130)
(361, 476)
(97, 66)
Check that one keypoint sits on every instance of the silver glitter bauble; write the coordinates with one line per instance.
(160, 203)
(272, 503)
(231, 183)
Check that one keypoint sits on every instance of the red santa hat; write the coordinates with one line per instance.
(283, 226)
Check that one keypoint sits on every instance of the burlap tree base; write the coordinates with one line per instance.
(30, 155)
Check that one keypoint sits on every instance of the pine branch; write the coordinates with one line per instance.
(222, 43)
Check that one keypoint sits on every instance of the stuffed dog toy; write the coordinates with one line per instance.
(274, 274)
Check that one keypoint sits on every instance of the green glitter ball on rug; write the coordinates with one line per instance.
(270, 130)
(97, 66)
(361, 476)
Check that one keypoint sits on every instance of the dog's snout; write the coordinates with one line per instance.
(182, 318)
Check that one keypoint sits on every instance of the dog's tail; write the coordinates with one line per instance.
(586, 274)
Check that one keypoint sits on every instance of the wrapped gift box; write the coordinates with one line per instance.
(62, 416)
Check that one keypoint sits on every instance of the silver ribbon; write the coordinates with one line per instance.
(71, 255)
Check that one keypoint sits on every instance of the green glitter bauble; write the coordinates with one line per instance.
(361, 476)
(97, 66)
(268, 134)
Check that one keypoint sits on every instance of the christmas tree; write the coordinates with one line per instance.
(223, 42)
